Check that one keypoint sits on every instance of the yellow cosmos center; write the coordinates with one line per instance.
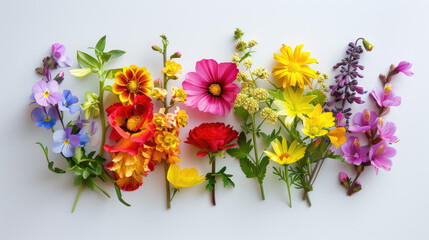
(133, 123)
(47, 119)
(133, 86)
(46, 94)
(284, 156)
(314, 131)
(294, 67)
(215, 89)
(66, 142)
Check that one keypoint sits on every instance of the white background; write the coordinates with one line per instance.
(36, 203)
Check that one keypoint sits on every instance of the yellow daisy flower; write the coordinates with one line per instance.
(317, 122)
(284, 154)
(295, 104)
(184, 178)
(292, 67)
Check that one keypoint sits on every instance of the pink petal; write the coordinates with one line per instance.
(53, 86)
(207, 69)
(227, 72)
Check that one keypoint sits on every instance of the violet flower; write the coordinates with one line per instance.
(386, 131)
(65, 142)
(404, 67)
(340, 118)
(385, 97)
(67, 102)
(41, 118)
(58, 53)
(380, 155)
(364, 121)
(46, 93)
(353, 152)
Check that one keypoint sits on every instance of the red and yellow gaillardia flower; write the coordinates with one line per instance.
(133, 81)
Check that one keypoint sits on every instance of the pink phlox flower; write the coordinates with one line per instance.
(386, 130)
(385, 97)
(404, 67)
(364, 121)
(353, 152)
(380, 155)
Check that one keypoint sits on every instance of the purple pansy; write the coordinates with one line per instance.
(67, 102)
(404, 67)
(380, 155)
(58, 52)
(40, 118)
(83, 137)
(387, 131)
(385, 97)
(353, 152)
(46, 93)
(364, 121)
(65, 142)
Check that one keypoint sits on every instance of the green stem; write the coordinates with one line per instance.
(103, 119)
(167, 184)
(288, 184)
(255, 145)
(78, 196)
(99, 188)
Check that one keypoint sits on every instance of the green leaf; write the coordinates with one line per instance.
(320, 97)
(277, 94)
(85, 174)
(105, 57)
(87, 61)
(269, 138)
(90, 184)
(77, 174)
(236, 152)
(112, 72)
(50, 164)
(263, 168)
(116, 53)
(241, 113)
(119, 195)
(78, 154)
(247, 167)
(101, 44)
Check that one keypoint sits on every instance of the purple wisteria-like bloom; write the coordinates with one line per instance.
(385, 97)
(380, 155)
(65, 142)
(58, 53)
(386, 131)
(68, 101)
(404, 67)
(353, 152)
(46, 93)
(364, 121)
(43, 119)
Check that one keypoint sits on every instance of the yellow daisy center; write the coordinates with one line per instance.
(294, 67)
(215, 89)
(314, 131)
(284, 155)
(46, 94)
(133, 123)
(133, 86)
(66, 142)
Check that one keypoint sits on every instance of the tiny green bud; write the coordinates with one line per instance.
(176, 55)
(238, 33)
(156, 48)
(368, 46)
(39, 70)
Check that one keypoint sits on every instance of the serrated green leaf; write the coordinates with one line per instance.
(90, 184)
(87, 61)
(101, 44)
(236, 152)
(116, 53)
(78, 154)
(247, 167)
(241, 113)
(320, 97)
(263, 168)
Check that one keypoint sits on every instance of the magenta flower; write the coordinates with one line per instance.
(404, 67)
(340, 118)
(364, 121)
(46, 93)
(58, 52)
(353, 152)
(210, 88)
(380, 155)
(385, 97)
(387, 131)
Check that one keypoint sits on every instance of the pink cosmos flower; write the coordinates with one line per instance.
(46, 93)
(353, 152)
(210, 88)
(364, 121)
(385, 97)
(380, 155)
(387, 131)
(404, 67)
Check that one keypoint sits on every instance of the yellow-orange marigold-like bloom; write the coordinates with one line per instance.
(292, 68)
(131, 82)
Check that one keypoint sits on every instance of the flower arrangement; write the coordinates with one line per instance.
(143, 124)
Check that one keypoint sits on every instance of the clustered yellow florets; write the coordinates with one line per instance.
(246, 101)
(248, 62)
(260, 94)
(236, 58)
(245, 80)
(261, 73)
(269, 114)
(252, 43)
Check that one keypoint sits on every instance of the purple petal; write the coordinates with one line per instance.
(59, 136)
(57, 147)
(68, 151)
(38, 116)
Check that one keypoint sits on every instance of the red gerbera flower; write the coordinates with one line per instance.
(212, 137)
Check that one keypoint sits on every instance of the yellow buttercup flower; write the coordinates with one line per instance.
(295, 104)
(184, 178)
(172, 69)
(284, 154)
(178, 94)
(292, 68)
(182, 118)
(316, 123)
(336, 136)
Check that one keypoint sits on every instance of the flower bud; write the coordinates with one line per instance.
(39, 70)
(156, 48)
(176, 55)
(238, 33)
(80, 72)
(157, 83)
(344, 179)
(368, 46)
(59, 77)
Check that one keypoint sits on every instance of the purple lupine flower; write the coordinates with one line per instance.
(364, 121)
(346, 84)
(40, 118)
(353, 152)
(386, 131)
(404, 67)
(58, 53)
(65, 142)
(380, 155)
(46, 93)
(385, 97)
(67, 102)
(340, 118)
